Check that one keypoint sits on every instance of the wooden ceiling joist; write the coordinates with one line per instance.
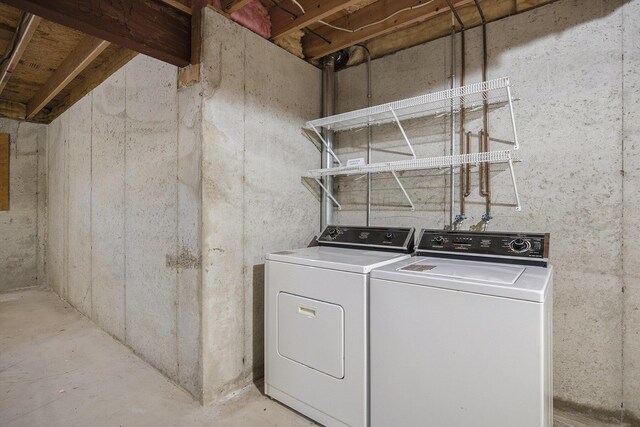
(12, 110)
(381, 17)
(25, 32)
(315, 10)
(151, 27)
(74, 64)
(231, 6)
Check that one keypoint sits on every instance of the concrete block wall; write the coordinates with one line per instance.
(23, 226)
(124, 212)
(256, 98)
(577, 120)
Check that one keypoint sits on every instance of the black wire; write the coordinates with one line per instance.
(14, 42)
(318, 35)
(281, 7)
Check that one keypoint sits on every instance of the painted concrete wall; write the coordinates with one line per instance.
(256, 98)
(23, 226)
(566, 62)
(124, 246)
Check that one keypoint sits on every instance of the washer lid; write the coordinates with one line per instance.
(351, 260)
(488, 278)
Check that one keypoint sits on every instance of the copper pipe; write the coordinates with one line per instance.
(467, 190)
(481, 174)
(462, 130)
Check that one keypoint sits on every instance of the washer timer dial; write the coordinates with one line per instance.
(520, 245)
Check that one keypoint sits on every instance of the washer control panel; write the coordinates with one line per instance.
(525, 245)
(375, 238)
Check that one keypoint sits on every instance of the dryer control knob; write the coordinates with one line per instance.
(438, 240)
(332, 231)
(389, 236)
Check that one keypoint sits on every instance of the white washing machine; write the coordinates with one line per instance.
(316, 321)
(461, 335)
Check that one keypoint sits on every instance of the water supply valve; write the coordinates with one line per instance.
(487, 217)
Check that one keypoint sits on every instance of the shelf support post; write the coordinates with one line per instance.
(328, 193)
(413, 208)
(515, 186)
(326, 145)
(513, 118)
(404, 134)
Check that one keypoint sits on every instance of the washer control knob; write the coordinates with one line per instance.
(332, 231)
(389, 236)
(438, 240)
(519, 245)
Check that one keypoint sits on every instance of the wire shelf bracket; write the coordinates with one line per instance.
(329, 194)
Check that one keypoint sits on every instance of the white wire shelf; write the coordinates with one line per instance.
(502, 156)
(470, 96)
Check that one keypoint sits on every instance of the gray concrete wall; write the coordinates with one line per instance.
(577, 115)
(631, 214)
(124, 246)
(23, 226)
(256, 98)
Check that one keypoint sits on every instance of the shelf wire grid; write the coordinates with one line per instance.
(471, 96)
(502, 156)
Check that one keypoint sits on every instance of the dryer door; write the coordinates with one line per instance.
(311, 332)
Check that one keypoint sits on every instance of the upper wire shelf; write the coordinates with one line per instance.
(470, 96)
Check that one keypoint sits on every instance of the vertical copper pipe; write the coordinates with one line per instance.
(467, 190)
(462, 130)
(481, 174)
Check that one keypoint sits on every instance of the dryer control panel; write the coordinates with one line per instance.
(392, 239)
(519, 246)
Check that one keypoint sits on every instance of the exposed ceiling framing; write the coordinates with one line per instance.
(152, 27)
(49, 67)
(55, 52)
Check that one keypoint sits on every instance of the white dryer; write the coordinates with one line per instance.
(316, 321)
(461, 335)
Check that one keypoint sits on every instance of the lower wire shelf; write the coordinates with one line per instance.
(502, 156)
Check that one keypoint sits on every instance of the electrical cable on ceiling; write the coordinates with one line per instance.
(14, 41)
(347, 30)
(287, 11)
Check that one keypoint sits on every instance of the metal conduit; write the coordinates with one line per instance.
(328, 109)
(485, 168)
(369, 131)
(452, 218)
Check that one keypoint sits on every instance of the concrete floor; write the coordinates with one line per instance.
(58, 369)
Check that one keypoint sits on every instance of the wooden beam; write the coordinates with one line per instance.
(399, 11)
(4, 171)
(87, 81)
(283, 23)
(23, 37)
(231, 6)
(86, 51)
(12, 110)
(178, 5)
(151, 27)
(440, 26)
